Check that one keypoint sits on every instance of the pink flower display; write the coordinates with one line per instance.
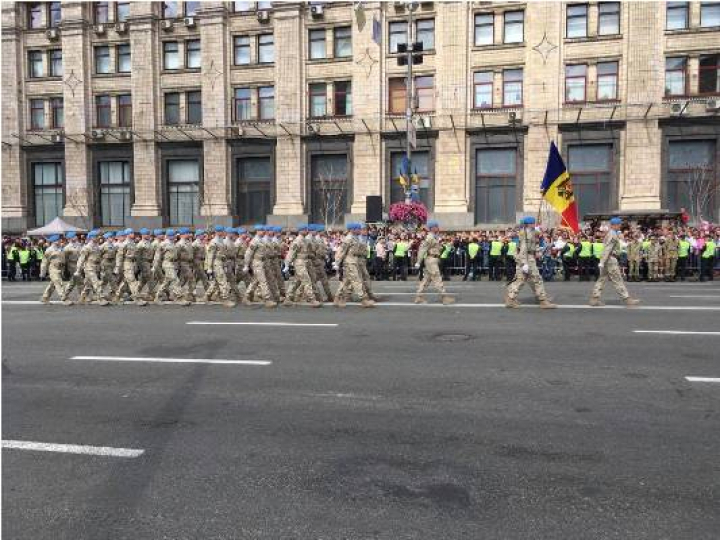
(412, 214)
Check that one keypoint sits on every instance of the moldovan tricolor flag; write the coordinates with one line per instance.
(557, 189)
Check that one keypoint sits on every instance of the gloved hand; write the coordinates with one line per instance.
(336, 266)
(76, 275)
(525, 269)
(246, 269)
(600, 266)
(417, 266)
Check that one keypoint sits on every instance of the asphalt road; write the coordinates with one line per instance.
(400, 422)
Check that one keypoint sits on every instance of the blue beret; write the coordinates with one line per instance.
(183, 230)
(108, 235)
(219, 228)
(352, 226)
(362, 225)
(158, 232)
(92, 234)
(144, 231)
(615, 221)
(241, 230)
(54, 238)
(121, 232)
(277, 229)
(129, 231)
(433, 223)
(304, 227)
(199, 232)
(528, 220)
(71, 234)
(230, 230)
(170, 232)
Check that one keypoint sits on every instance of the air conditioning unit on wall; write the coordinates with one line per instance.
(167, 25)
(263, 16)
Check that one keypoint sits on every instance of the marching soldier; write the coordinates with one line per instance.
(166, 257)
(275, 264)
(107, 264)
(347, 255)
(186, 263)
(298, 257)
(146, 254)
(231, 264)
(319, 258)
(361, 251)
(240, 275)
(527, 268)
(610, 269)
(215, 265)
(255, 261)
(199, 274)
(126, 268)
(89, 264)
(53, 266)
(429, 254)
(72, 254)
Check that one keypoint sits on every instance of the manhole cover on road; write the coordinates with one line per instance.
(452, 337)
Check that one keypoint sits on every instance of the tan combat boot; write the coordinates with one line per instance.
(288, 303)
(270, 304)
(630, 302)
(419, 299)
(596, 302)
(446, 299)
(547, 304)
(316, 304)
(140, 302)
(367, 303)
(511, 303)
(229, 303)
(339, 302)
(45, 300)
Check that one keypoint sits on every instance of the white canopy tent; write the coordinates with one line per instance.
(56, 226)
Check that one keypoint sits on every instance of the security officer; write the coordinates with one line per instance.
(166, 257)
(527, 267)
(53, 266)
(683, 254)
(496, 250)
(510, 248)
(707, 259)
(569, 259)
(610, 269)
(89, 265)
(671, 255)
(585, 258)
(597, 251)
(471, 264)
(429, 254)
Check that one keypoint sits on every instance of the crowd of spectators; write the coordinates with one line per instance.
(21, 258)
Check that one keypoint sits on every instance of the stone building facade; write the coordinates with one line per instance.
(166, 114)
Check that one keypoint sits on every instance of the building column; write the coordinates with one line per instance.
(367, 88)
(290, 196)
(639, 182)
(14, 187)
(147, 176)
(78, 104)
(215, 98)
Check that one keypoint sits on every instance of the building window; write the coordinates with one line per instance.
(170, 10)
(513, 27)
(171, 56)
(242, 50)
(590, 168)
(103, 111)
(483, 83)
(191, 8)
(342, 42)
(35, 64)
(575, 83)
(496, 185)
(194, 107)
(425, 33)
(243, 104)
(397, 95)
(425, 92)
(266, 102)
(123, 58)
(577, 18)
(124, 103)
(122, 11)
(102, 60)
(254, 189)
(329, 191)
(172, 108)
(512, 87)
(264, 5)
(317, 44)
(34, 15)
(48, 191)
(420, 166)
(676, 14)
(114, 192)
(398, 35)
(608, 18)
(192, 54)
(57, 112)
(607, 81)
(55, 15)
(183, 190)
(343, 98)
(709, 14)
(318, 100)
(56, 64)
(691, 169)
(37, 114)
(241, 6)
(709, 76)
(675, 76)
(266, 49)
(102, 12)
(484, 29)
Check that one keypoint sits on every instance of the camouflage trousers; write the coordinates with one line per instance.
(670, 266)
(107, 277)
(634, 269)
(302, 283)
(322, 277)
(93, 284)
(186, 276)
(611, 271)
(277, 278)
(260, 282)
(56, 284)
(431, 276)
(533, 276)
(128, 281)
(74, 281)
(170, 282)
(146, 277)
(654, 270)
(352, 281)
(219, 283)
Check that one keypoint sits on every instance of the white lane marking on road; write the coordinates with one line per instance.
(172, 360)
(244, 323)
(28, 302)
(74, 449)
(561, 306)
(678, 332)
(703, 379)
(703, 296)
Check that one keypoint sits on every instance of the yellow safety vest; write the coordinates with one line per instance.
(709, 251)
(401, 249)
(684, 249)
(585, 249)
(512, 249)
(570, 253)
(473, 249)
(598, 248)
(495, 248)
